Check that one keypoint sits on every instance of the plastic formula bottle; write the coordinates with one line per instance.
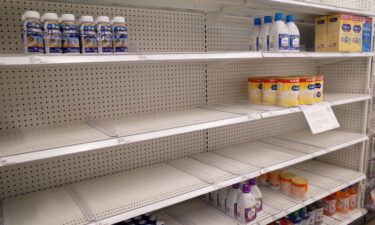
(32, 33)
(343, 201)
(279, 35)
(52, 33)
(222, 199)
(246, 206)
(264, 34)
(255, 191)
(105, 35)
(254, 36)
(70, 34)
(232, 200)
(89, 40)
(294, 37)
(120, 35)
(353, 191)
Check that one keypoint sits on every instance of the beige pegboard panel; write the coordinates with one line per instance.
(352, 116)
(254, 130)
(348, 76)
(44, 174)
(54, 95)
(228, 82)
(150, 30)
(353, 4)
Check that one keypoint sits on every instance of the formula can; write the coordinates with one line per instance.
(288, 91)
(318, 96)
(269, 91)
(306, 90)
(255, 89)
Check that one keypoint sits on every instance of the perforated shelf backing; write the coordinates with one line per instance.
(354, 4)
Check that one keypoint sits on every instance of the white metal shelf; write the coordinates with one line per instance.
(34, 144)
(117, 197)
(14, 60)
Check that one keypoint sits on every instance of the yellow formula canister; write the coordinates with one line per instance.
(306, 90)
(269, 91)
(318, 96)
(288, 91)
(255, 89)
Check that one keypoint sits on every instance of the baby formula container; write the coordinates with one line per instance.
(318, 97)
(294, 37)
(330, 205)
(304, 216)
(295, 218)
(89, 40)
(70, 34)
(306, 90)
(222, 199)
(255, 89)
(264, 179)
(269, 91)
(32, 32)
(120, 35)
(246, 207)
(105, 35)
(353, 191)
(311, 211)
(288, 91)
(299, 188)
(275, 179)
(286, 183)
(256, 193)
(343, 201)
(264, 34)
(232, 200)
(319, 206)
(254, 36)
(279, 35)
(52, 33)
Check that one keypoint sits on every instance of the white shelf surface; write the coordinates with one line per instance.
(34, 144)
(22, 59)
(117, 197)
(277, 205)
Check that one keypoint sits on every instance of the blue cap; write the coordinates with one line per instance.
(279, 16)
(257, 21)
(268, 19)
(289, 18)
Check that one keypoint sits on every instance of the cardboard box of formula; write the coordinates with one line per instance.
(339, 33)
(367, 34)
(321, 26)
(356, 44)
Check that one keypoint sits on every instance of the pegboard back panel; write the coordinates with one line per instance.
(348, 76)
(150, 30)
(228, 82)
(39, 175)
(353, 4)
(53, 95)
(352, 117)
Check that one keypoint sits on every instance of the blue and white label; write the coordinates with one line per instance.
(70, 38)
(283, 41)
(294, 42)
(120, 38)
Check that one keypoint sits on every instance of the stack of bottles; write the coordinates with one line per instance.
(343, 33)
(341, 201)
(53, 34)
(286, 91)
(276, 36)
(239, 201)
(287, 183)
(146, 219)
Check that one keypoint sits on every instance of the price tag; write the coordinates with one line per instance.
(320, 117)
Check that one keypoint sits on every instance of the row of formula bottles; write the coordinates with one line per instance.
(286, 91)
(309, 215)
(275, 36)
(239, 201)
(145, 219)
(53, 34)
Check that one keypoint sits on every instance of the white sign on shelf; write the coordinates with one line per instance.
(320, 117)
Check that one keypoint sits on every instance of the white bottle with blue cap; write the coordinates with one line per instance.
(254, 36)
(294, 37)
(279, 35)
(264, 34)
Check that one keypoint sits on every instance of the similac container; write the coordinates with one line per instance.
(120, 35)
(306, 90)
(70, 34)
(105, 35)
(32, 32)
(264, 34)
(254, 36)
(255, 89)
(275, 179)
(246, 206)
(288, 91)
(294, 37)
(269, 91)
(52, 33)
(319, 208)
(232, 200)
(330, 205)
(318, 96)
(299, 188)
(213, 198)
(286, 183)
(321, 35)
(279, 35)
(89, 40)
(353, 191)
(343, 201)
(356, 45)
(222, 199)
(256, 193)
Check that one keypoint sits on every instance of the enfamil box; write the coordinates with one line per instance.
(356, 45)
(321, 26)
(339, 33)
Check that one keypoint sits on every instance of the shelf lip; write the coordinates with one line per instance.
(22, 59)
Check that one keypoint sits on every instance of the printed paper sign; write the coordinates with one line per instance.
(320, 117)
